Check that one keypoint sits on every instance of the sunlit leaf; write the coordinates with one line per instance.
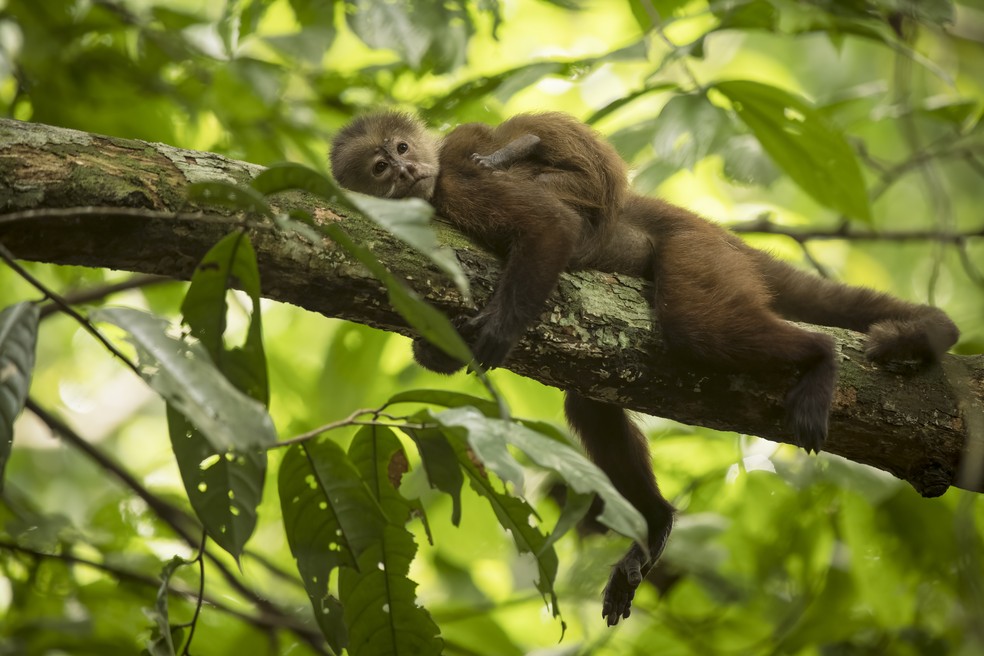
(224, 488)
(489, 436)
(183, 374)
(18, 338)
(801, 141)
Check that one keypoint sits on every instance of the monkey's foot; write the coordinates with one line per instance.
(485, 161)
(807, 417)
(626, 576)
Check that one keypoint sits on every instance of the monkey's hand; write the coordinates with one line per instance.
(626, 576)
(485, 161)
(490, 344)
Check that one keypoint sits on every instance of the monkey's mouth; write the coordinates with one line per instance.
(424, 183)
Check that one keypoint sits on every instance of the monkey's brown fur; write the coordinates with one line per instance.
(545, 193)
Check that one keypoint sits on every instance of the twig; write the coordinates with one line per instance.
(765, 226)
(174, 517)
(8, 257)
(200, 559)
(102, 291)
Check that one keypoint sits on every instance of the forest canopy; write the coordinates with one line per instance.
(188, 466)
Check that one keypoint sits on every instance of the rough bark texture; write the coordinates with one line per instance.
(75, 198)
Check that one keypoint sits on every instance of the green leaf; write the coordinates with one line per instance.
(514, 515)
(380, 601)
(18, 340)
(580, 474)
(688, 129)
(446, 398)
(422, 317)
(330, 519)
(441, 465)
(408, 219)
(488, 439)
(225, 489)
(801, 141)
(183, 374)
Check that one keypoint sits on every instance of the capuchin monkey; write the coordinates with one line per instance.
(545, 193)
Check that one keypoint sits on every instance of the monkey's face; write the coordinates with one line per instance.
(388, 155)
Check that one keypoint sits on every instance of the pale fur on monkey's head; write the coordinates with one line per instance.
(368, 140)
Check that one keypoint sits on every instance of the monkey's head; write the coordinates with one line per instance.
(390, 155)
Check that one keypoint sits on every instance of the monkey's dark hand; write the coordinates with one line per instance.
(430, 357)
(626, 576)
(489, 343)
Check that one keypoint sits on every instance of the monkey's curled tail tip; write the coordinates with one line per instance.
(923, 339)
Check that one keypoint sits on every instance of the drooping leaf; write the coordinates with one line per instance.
(330, 519)
(427, 321)
(513, 515)
(441, 465)
(578, 472)
(380, 601)
(224, 488)
(408, 219)
(18, 339)
(801, 141)
(183, 374)
(447, 399)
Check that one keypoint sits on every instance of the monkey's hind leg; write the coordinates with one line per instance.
(619, 448)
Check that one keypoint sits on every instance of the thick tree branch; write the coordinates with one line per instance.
(597, 335)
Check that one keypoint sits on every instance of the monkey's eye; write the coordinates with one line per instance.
(380, 166)
(402, 147)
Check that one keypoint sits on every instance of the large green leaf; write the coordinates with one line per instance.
(803, 143)
(514, 515)
(380, 601)
(441, 465)
(409, 219)
(224, 488)
(580, 474)
(330, 519)
(18, 339)
(183, 374)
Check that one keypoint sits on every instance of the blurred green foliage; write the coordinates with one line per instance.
(819, 116)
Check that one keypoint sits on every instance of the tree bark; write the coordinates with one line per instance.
(70, 197)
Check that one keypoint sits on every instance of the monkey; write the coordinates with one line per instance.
(550, 195)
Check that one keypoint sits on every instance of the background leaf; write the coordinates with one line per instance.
(18, 339)
(810, 150)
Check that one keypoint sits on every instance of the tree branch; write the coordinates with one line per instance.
(597, 335)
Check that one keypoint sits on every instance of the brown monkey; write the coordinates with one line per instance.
(549, 195)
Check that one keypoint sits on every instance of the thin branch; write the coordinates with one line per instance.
(262, 621)
(763, 225)
(200, 559)
(174, 517)
(8, 257)
(99, 293)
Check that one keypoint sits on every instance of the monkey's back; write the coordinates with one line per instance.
(573, 162)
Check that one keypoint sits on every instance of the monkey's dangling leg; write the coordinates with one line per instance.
(619, 448)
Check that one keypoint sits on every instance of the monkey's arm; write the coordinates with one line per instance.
(518, 149)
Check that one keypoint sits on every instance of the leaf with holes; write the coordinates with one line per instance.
(185, 377)
(330, 519)
(18, 339)
(380, 601)
(224, 488)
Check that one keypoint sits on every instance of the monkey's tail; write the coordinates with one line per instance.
(897, 329)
